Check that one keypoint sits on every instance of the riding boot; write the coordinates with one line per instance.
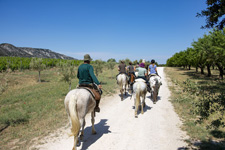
(97, 109)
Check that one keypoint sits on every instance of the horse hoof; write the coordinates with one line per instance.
(136, 116)
(94, 132)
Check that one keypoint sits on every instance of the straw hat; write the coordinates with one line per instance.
(87, 57)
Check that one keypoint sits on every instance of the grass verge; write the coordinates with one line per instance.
(190, 90)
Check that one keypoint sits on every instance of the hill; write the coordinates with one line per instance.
(11, 50)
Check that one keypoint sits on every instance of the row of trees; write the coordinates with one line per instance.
(21, 63)
(208, 51)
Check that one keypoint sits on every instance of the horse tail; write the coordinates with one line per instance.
(138, 93)
(73, 116)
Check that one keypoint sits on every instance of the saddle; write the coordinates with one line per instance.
(93, 89)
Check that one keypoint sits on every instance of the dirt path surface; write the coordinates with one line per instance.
(117, 128)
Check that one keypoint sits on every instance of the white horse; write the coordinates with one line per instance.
(140, 91)
(78, 103)
(122, 81)
(155, 82)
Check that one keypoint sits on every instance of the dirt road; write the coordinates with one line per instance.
(117, 128)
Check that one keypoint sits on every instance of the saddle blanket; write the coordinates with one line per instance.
(96, 95)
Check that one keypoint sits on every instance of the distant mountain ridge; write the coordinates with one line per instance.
(11, 50)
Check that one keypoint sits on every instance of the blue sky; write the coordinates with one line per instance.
(120, 29)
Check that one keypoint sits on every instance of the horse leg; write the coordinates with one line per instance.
(121, 92)
(82, 130)
(137, 102)
(142, 108)
(154, 97)
(93, 122)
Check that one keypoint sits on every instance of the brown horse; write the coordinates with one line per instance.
(130, 85)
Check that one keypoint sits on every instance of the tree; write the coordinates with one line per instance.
(37, 64)
(111, 66)
(214, 14)
(135, 62)
(127, 60)
(98, 66)
(201, 55)
(111, 60)
(218, 44)
(68, 72)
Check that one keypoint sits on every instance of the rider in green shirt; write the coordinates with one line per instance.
(87, 77)
(142, 73)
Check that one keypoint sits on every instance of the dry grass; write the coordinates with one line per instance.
(183, 102)
(30, 110)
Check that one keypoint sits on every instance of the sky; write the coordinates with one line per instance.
(119, 29)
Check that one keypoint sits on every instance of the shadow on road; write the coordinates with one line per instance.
(89, 139)
(158, 98)
(125, 96)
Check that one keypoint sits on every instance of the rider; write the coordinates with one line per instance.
(87, 77)
(122, 67)
(142, 73)
(153, 68)
(130, 69)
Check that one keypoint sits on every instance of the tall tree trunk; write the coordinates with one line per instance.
(196, 69)
(69, 85)
(221, 70)
(202, 70)
(189, 67)
(208, 69)
(39, 76)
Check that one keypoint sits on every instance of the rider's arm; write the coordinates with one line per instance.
(146, 72)
(78, 74)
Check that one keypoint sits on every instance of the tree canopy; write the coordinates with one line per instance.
(207, 51)
(214, 13)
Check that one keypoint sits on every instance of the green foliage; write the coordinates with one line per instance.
(127, 60)
(135, 62)
(14, 117)
(111, 65)
(68, 72)
(214, 14)
(207, 104)
(3, 83)
(37, 64)
(205, 52)
(98, 66)
(22, 63)
(212, 105)
(111, 60)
